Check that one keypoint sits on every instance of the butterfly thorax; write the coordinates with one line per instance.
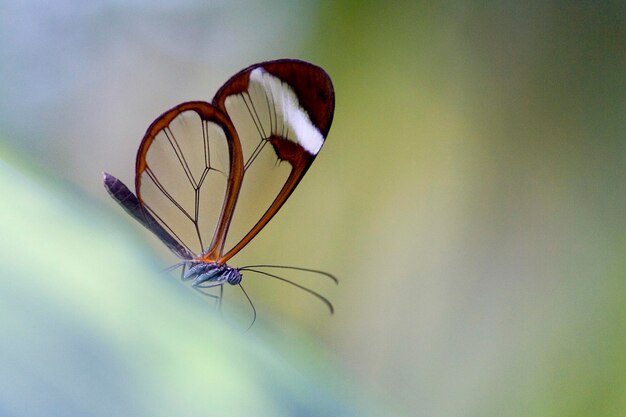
(211, 274)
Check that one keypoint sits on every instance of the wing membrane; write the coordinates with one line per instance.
(200, 166)
(188, 175)
(120, 193)
(282, 111)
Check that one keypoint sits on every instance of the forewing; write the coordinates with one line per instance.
(281, 111)
(188, 174)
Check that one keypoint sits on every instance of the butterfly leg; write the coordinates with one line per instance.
(217, 298)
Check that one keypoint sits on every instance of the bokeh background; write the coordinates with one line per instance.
(470, 196)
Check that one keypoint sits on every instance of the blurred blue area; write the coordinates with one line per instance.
(64, 60)
(89, 329)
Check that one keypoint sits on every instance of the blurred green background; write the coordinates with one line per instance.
(470, 196)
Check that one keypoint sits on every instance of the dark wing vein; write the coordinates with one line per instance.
(256, 115)
(207, 150)
(195, 222)
(269, 111)
(256, 153)
(169, 229)
(165, 193)
(256, 123)
(204, 174)
(179, 155)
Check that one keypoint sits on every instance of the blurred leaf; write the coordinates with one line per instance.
(87, 328)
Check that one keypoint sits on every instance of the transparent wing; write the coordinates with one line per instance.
(281, 111)
(125, 198)
(188, 174)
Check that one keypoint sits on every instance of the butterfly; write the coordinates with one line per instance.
(210, 176)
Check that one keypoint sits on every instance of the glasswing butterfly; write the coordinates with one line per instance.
(210, 176)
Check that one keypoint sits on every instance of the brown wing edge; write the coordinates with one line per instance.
(311, 84)
(315, 93)
(207, 112)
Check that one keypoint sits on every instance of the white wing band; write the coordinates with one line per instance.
(288, 109)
